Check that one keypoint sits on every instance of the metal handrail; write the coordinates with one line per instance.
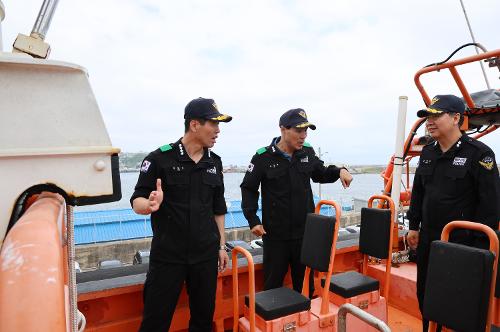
(371, 320)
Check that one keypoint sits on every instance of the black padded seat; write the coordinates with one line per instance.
(495, 328)
(458, 286)
(375, 232)
(279, 302)
(349, 284)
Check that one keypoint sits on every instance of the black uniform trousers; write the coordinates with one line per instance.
(423, 251)
(278, 255)
(163, 286)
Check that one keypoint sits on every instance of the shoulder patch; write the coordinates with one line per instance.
(261, 150)
(166, 148)
(306, 144)
(487, 162)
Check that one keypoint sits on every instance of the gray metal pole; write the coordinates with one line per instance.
(361, 314)
(44, 18)
(474, 41)
(2, 16)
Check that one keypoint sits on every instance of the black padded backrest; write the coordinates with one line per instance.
(317, 242)
(458, 286)
(375, 232)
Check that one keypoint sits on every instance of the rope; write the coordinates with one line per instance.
(74, 313)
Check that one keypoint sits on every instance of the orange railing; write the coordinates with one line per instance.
(451, 66)
(34, 274)
(251, 288)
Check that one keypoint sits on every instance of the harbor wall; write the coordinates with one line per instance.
(89, 255)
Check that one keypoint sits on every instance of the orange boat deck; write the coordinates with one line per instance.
(120, 308)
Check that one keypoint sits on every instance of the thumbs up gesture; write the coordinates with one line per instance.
(156, 197)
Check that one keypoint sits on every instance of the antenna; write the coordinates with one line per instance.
(34, 44)
(474, 41)
(2, 16)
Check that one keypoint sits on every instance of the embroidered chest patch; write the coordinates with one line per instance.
(459, 161)
(212, 170)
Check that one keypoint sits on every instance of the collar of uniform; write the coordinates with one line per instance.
(207, 159)
(273, 148)
(181, 151)
(454, 148)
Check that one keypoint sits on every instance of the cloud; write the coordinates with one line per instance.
(345, 62)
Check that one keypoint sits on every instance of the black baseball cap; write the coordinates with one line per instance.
(202, 108)
(443, 104)
(296, 118)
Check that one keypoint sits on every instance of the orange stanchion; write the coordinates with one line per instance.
(251, 288)
(325, 296)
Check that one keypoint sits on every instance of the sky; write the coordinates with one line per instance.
(344, 62)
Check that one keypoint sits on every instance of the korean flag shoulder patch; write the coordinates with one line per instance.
(145, 166)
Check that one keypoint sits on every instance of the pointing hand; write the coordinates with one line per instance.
(345, 177)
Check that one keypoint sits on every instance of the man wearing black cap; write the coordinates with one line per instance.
(284, 170)
(456, 179)
(181, 186)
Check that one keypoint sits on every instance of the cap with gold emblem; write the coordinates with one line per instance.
(296, 118)
(202, 108)
(443, 104)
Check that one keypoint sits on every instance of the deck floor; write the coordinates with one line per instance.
(400, 321)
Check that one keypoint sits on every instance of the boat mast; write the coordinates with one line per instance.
(2, 16)
(474, 41)
(44, 18)
(34, 44)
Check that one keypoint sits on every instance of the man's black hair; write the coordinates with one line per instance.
(188, 121)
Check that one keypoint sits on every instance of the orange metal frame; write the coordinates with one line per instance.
(324, 312)
(389, 256)
(325, 291)
(251, 288)
(493, 248)
(451, 66)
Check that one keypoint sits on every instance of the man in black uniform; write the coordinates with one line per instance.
(181, 186)
(456, 179)
(284, 171)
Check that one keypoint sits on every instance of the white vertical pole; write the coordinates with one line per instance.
(2, 16)
(398, 154)
(319, 184)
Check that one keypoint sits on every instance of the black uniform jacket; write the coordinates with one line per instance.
(184, 228)
(460, 184)
(286, 190)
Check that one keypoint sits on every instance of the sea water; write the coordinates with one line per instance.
(362, 187)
